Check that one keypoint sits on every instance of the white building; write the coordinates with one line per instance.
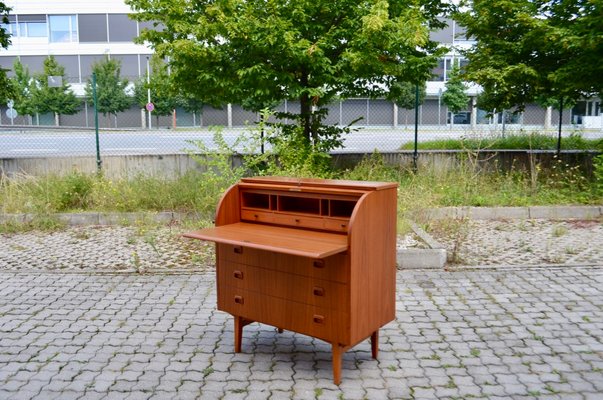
(79, 33)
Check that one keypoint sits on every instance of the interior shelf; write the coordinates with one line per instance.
(307, 204)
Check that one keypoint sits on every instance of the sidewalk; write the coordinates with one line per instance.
(124, 312)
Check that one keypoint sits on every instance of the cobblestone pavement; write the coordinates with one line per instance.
(111, 329)
(479, 243)
(105, 249)
(489, 334)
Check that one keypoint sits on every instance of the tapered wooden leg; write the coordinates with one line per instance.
(337, 354)
(375, 344)
(239, 323)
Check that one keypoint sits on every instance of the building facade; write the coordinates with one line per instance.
(80, 33)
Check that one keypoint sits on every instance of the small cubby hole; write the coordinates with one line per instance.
(304, 205)
(341, 208)
(256, 200)
(273, 201)
(324, 207)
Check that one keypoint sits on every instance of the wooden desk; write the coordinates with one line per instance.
(312, 256)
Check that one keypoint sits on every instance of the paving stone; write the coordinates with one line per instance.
(496, 333)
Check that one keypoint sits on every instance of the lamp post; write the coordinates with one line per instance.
(149, 91)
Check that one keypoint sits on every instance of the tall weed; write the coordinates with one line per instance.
(598, 174)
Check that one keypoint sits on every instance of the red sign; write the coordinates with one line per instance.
(150, 106)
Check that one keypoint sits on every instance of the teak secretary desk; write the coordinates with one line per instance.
(312, 256)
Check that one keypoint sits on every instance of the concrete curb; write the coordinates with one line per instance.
(534, 212)
(101, 218)
(480, 213)
(434, 257)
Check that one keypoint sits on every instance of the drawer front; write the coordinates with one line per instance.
(298, 221)
(329, 325)
(333, 268)
(301, 289)
(257, 216)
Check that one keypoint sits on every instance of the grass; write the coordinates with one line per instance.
(80, 192)
(198, 193)
(513, 141)
(468, 185)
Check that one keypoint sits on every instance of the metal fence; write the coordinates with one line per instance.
(382, 126)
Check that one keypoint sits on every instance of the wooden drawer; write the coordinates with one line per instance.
(333, 268)
(329, 325)
(301, 289)
(294, 220)
(257, 216)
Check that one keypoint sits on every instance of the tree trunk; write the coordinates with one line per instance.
(306, 110)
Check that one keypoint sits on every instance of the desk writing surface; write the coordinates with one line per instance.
(292, 241)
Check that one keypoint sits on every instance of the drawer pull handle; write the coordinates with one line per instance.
(238, 274)
(343, 225)
(255, 216)
(319, 264)
(318, 291)
(319, 319)
(297, 220)
(238, 249)
(238, 299)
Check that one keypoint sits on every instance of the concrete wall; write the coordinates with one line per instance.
(173, 165)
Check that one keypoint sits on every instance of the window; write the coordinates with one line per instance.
(122, 28)
(32, 26)
(92, 28)
(438, 72)
(63, 28)
(11, 27)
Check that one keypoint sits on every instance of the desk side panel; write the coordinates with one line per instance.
(372, 247)
(229, 209)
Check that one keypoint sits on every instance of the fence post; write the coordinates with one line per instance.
(415, 155)
(98, 159)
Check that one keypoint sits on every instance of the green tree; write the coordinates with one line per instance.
(404, 95)
(6, 87)
(59, 100)
(258, 52)
(164, 94)
(22, 83)
(110, 88)
(455, 97)
(526, 49)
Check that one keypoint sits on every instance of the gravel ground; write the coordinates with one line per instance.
(469, 244)
(475, 243)
(105, 249)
